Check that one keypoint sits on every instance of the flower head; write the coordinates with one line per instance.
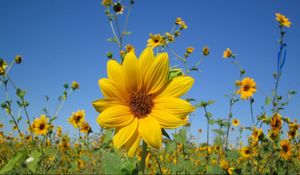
(286, 149)
(227, 53)
(75, 85)
(276, 123)
(235, 122)
(257, 134)
(40, 125)
(283, 21)
(155, 40)
(118, 8)
(77, 118)
(140, 100)
(247, 88)
(3, 66)
(129, 48)
(106, 3)
(189, 50)
(205, 51)
(85, 127)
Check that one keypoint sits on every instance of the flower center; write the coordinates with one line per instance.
(140, 104)
(285, 148)
(42, 126)
(246, 87)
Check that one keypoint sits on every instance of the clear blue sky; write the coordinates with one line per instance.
(62, 41)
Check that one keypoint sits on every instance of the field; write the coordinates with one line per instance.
(146, 112)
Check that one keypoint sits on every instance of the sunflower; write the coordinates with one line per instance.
(225, 165)
(205, 51)
(3, 66)
(85, 127)
(247, 88)
(283, 21)
(227, 53)
(139, 100)
(40, 125)
(155, 40)
(293, 130)
(257, 134)
(77, 118)
(276, 123)
(246, 152)
(235, 122)
(286, 149)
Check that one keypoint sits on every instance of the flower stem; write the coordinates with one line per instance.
(144, 154)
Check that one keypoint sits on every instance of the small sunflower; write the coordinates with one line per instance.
(247, 88)
(155, 40)
(75, 85)
(205, 51)
(129, 48)
(276, 123)
(246, 152)
(85, 127)
(189, 50)
(283, 21)
(286, 149)
(235, 122)
(227, 53)
(225, 165)
(40, 125)
(77, 118)
(3, 66)
(293, 130)
(257, 134)
(140, 100)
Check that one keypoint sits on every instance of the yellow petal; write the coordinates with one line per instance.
(133, 144)
(114, 73)
(124, 134)
(178, 86)
(132, 73)
(101, 104)
(172, 105)
(167, 120)
(150, 131)
(157, 76)
(115, 117)
(110, 90)
(146, 59)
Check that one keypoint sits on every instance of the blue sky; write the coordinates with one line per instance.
(62, 41)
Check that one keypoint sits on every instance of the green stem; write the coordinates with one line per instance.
(251, 108)
(144, 154)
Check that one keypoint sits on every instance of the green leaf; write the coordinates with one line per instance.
(127, 33)
(267, 101)
(111, 162)
(218, 131)
(181, 136)
(107, 136)
(114, 40)
(214, 169)
(210, 102)
(20, 93)
(175, 73)
(211, 121)
(36, 157)
(19, 158)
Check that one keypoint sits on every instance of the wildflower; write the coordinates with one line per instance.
(106, 3)
(169, 36)
(189, 50)
(286, 149)
(227, 53)
(183, 25)
(247, 88)
(3, 66)
(283, 21)
(129, 48)
(178, 21)
(205, 51)
(118, 8)
(77, 118)
(85, 127)
(75, 85)
(40, 125)
(18, 59)
(139, 100)
(80, 164)
(235, 122)
(245, 152)
(177, 33)
(225, 165)
(293, 129)
(58, 131)
(276, 123)
(256, 136)
(65, 143)
(155, 40)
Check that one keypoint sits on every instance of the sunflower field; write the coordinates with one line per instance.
(146, 112)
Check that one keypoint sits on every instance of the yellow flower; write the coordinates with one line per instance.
(225, 165)
(178, 21)
(40, 125)
(189, 50)
(75, 85)
(3, 66)
(293, 130)
(283, 21)
(106, 3)
(129, 48)
(286, 149)
(169, 36)
(256, 136)
(205, 51)
(58, 131)
(227, 53)
(85, 127)
(247, 88)
(80, 164)
(183, 25)
(77, 118)
(276, 123)
(235, 122)
(139, 100)
(245, 152)
(155, 40)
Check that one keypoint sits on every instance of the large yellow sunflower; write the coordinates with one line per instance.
(40, 125)
(139, 100)
(247, 88)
